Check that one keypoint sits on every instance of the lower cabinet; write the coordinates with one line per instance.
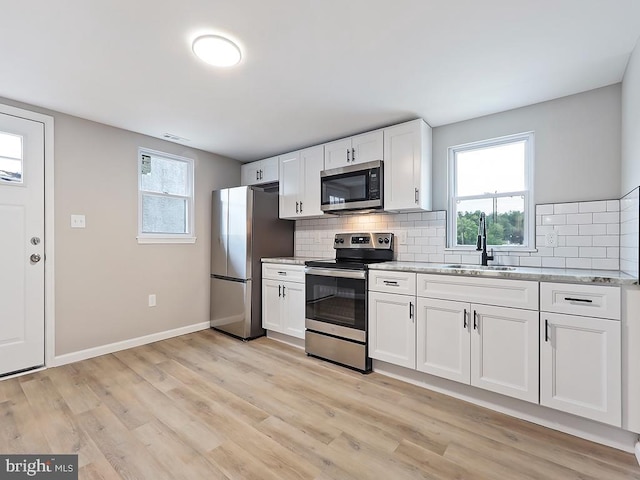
(494, 348)
(580, 366)
(283, 305)
(392, 329)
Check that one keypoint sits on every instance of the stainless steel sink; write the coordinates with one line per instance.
(500, 268)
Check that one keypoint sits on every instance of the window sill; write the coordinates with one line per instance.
(160, 240)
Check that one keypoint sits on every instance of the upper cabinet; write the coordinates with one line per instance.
(366, 147)
(260, 172)
(299, 184)
(407, 167)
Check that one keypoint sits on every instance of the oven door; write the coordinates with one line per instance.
(336, 302)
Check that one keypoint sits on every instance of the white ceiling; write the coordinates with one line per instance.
(313, 70)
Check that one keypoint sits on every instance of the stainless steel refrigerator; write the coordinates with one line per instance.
(244, 228)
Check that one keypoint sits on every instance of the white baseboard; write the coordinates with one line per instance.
(638, 451)
(125, 344)
(564, 422)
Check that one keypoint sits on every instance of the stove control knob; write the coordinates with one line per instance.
(386, 240)
(380, 240)
(342, 240)
(337, 240)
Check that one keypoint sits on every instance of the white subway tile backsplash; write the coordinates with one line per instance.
(605, 264)
(608, 217)
(593, 252)
(599, 206)
(606, 241)
(578, 263)
(553, 262)
(580, 219)
(565, 208)
(599, 229)
(554, 219)
(587, 236)
(544, 209)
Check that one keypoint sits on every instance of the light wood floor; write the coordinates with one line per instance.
(206, 406)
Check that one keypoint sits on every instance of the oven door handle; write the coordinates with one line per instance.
(335, 272)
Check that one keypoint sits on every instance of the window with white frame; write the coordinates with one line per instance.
(165, 198)
(495, 177)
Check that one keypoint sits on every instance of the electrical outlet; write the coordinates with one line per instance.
(316, 238)
(402, 237)
(152, 300)
(551, 239)
(77, 221)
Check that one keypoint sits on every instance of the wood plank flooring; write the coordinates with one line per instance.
(206, 406)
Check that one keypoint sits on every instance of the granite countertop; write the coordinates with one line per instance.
(289, 260)
(568, 275)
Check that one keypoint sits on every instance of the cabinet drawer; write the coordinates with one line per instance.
(392, 282)
(484, 291)
(587, 300)
(279, 271)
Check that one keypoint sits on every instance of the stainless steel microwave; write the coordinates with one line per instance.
(353, 188)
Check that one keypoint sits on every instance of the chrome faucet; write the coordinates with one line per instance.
(482, 240)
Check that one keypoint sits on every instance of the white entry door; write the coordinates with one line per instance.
(21, 244)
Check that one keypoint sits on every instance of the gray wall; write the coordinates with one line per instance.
(103, 277)
(577, 146)
(631, 124)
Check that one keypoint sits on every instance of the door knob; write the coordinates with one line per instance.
(35, 258)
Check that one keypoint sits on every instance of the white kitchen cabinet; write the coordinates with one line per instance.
(407, 167)
(366, 147)
(469, 332)
(259, 172)
(580, 350)
(299, 183)
(504, 351)
(392, 329)
(443, 345)
(283, 301)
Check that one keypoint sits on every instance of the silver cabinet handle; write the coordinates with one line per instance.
(464, 319)
(257, 174)
(297, 211)
(283, 291)
(282, 273)
(300, 207)
(348, 160)
(392, 283)
(416, 195)
(261, 174)
(353, 154)
(35, 258)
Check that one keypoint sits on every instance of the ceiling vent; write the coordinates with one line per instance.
(174, 138)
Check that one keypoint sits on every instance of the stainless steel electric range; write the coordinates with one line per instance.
(336, 310)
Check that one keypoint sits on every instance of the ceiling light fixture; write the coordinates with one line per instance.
(216, 50)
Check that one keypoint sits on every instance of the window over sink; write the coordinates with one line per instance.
(494, 177)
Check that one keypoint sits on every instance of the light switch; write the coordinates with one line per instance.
(77, 221)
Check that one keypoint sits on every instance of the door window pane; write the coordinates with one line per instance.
(10, 158)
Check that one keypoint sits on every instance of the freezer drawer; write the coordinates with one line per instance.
(231, 308)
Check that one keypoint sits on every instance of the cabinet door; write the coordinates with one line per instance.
(272, 305)
(504, 351)
(443, 341)
(367, 147)
(335, 153)
(249, 173)
(311, 164)
(293, 311)
(407, 158)
(580, 366)
(289, 185)
(392, 328)
(269, 170)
